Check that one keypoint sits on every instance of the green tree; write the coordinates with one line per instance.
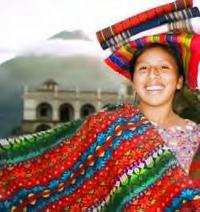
(187, 104)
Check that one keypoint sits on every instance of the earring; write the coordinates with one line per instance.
(178, 87)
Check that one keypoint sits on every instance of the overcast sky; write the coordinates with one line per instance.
(27, 23)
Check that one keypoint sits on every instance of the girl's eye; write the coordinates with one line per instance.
(164, 67)
(142, 68)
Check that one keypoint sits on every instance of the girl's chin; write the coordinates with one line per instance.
(153, 102)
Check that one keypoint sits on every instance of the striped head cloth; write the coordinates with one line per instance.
(175, 24)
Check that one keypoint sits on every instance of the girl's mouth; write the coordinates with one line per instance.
(154, 88)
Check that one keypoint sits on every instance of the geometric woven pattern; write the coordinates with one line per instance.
(113, 161)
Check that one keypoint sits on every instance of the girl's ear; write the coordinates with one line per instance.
(179, 83)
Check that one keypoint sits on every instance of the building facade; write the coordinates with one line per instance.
(49, 105)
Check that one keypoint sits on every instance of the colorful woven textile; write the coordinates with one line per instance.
(195, 167)
(140, 18)
(113, 161)
(177, 21)
(185, 43)
(191, 25)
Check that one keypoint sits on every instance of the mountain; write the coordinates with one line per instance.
(71, 63)
(71, 35)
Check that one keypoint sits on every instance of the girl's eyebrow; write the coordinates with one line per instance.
(140, 63)
(160, 61)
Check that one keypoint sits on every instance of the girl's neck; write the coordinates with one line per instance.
(162, 115)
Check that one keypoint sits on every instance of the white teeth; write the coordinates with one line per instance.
(154, 88)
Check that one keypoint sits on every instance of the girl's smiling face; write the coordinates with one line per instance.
(156, 77)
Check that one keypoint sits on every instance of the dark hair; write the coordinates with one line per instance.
(172, 50)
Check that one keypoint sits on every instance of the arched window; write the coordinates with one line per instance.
(44, 112)
(106, 106)
(42, 127)
(66, 112)
(87, 109)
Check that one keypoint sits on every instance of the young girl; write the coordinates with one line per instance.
(157, 74)
(120, 159)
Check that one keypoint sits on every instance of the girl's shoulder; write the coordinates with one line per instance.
(190, 130)
(193, 126)
(189, 126)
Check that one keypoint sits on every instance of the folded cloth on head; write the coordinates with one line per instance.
(191, 25)
(173, 17)
(187, 44)
(177, 26)
(140, 18)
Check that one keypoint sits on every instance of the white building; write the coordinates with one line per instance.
(49, 105)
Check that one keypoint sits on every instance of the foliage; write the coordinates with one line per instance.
(187, 104)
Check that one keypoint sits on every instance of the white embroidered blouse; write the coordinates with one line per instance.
(183, 141)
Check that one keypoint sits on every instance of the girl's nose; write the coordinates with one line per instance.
(154, 72)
